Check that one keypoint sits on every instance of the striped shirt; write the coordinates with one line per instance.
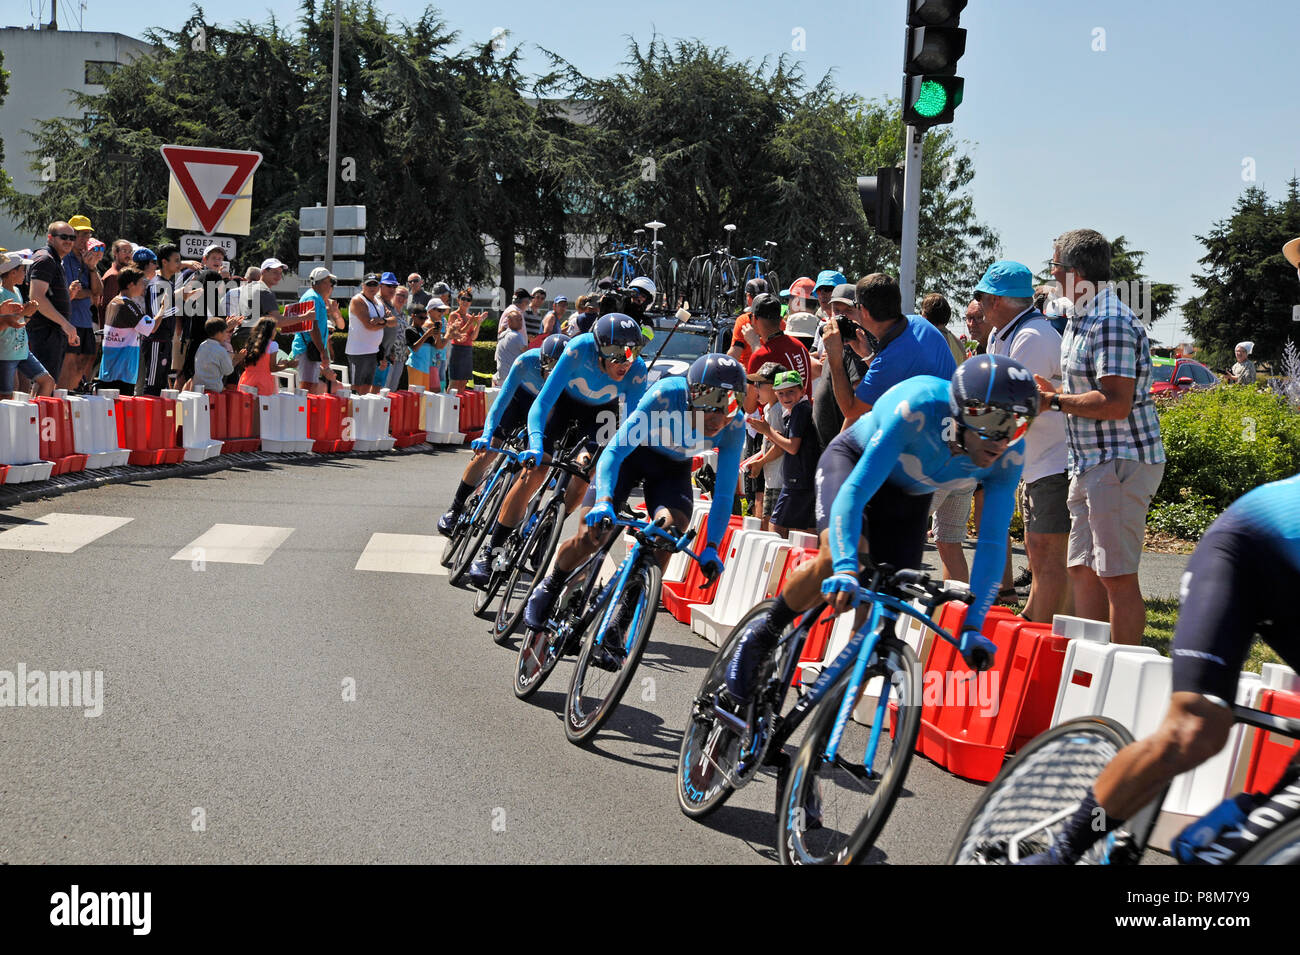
(1105, 338)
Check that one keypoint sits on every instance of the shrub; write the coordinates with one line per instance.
(1186, 519)
(1224, 442)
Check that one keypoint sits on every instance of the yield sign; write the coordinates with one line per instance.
(210, 179)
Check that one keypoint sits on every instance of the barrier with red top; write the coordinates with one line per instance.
(303, 315)
(234, 420)
(404, 419)
(472, 413)
(679, 597)
(57, 445)
(146, 426)
(1270, 752)
(325, 414)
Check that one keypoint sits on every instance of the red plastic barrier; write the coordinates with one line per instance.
(218, 426)
(325, 415)
(4, 472)
(147, 427)
(404, 419)
(235, 416)
(680, 596)
(472, 415)
(55, 420)
(1270, 753)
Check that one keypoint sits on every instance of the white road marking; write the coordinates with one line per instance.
(403, 554)
(234, 544)
(60, 533)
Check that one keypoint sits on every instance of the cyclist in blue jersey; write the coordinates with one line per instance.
(1240, 581)
(874, 483)
(678, 418)
(598, 372)
(509, 413)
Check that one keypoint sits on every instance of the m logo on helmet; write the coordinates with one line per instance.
(1020, 373)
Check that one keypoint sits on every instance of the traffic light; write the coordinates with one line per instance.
(931, 88)
(882, 201)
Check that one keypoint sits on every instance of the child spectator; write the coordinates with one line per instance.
(15, 356)
(798, 439)
(125, 320)
(768, 459)
(260, 360)
(213, 361)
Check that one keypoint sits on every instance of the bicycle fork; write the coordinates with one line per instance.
(855, 686)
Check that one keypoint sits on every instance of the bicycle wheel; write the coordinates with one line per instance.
(596, 690)
(1280, 848)
(672, 286)
(1023, 810)
(540, 650)
(456, 541)
(478, 529)
(534, 559)
(708, 289)
(773, 282)
(705, 766)
(831, 812)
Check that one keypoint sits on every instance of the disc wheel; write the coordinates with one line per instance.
(832, 810)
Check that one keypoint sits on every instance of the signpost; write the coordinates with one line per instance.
(192, 246)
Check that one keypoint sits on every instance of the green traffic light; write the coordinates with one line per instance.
(931, 100)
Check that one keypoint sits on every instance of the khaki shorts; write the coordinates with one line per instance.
(951, 512)
(1044, 505)
(1108, 512)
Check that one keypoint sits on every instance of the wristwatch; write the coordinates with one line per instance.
(1054, 402)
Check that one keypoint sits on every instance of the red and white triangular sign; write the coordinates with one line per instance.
(210, 179)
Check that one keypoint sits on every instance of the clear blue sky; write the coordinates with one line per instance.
(1146, 138)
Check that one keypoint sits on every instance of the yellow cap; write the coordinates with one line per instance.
(81, 223)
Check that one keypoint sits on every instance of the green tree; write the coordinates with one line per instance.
(5, 180)
(1156, 298)
(1248, 287)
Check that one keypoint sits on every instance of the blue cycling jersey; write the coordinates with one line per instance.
(579, 375)
(665, 423)
(1272, 511)
(906, 440)
(525, 376)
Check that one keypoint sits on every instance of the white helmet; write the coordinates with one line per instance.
(645, 285)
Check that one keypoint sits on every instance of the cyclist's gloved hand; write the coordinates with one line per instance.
(710, 563)
(837, 587)
(977, 650)
(602, 513)
(530, 458)
(478, 444)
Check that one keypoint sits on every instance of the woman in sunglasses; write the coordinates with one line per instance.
(874, 483)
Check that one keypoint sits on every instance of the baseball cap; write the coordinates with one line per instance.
(788, 379)
(388, 278)
(214, 248)
(766, 373)
(800, 288)
(801, 324)
(10, 261)
(538, 290)
(372, 278)
(766, 306)
(844, 293)
(440, 288)
(561, 298)
(1008, 278)
(439, 304)
(829, 277)
(318, 274)
(272, 263)
(94, 244)
(81, 224)
(756, 287)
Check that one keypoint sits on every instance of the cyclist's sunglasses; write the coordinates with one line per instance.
(620, 354)
(721, 400)
(994, 424)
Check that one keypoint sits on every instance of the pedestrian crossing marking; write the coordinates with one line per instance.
(235, 544)
(403, 554)
(60, 533)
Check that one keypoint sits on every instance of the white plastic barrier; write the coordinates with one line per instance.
(800, 539)
(1137, 694)
(711, 459)
(489, 396)
(370, 415)
(442, 418)
(841, 633)
(746, 568)
(196, 427)
(286, 379)
(94, 430)
(20, 442)
(1086, 675)
(283, 420)
(679, 564)
(1081, 628)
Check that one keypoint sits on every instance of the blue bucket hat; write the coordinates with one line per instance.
(829, 277)
(1007, 278)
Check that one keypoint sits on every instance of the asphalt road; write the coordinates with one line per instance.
(225, 735)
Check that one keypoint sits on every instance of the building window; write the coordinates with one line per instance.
(97, 71)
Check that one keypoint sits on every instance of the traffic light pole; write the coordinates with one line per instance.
(334, 142)
(911, 218)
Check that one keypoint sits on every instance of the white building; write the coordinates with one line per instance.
(45, 67)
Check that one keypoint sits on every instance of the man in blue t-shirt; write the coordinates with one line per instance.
(906, 345)
(311, 348)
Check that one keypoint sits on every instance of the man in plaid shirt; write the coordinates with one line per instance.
(1116, 457)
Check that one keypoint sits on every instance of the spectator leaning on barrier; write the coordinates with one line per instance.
(367, 318)
(936, 310)
(49, 332)
(1243, 372)
(1116, 457)
(260, 358)
(214, 361)
(311, 348)
(1023, 333)
(79, 361)
(15, 357)
(125, 320)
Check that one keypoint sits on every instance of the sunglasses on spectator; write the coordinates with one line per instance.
(64, 236)
(372, 285)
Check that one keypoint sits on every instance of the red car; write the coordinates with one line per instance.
(1179, 375)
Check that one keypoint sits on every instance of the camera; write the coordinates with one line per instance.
(848, 328)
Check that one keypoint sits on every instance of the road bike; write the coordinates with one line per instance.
(755, 266)
(478, 514)
(830, 806)
(1024, 810)
(713, 280)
